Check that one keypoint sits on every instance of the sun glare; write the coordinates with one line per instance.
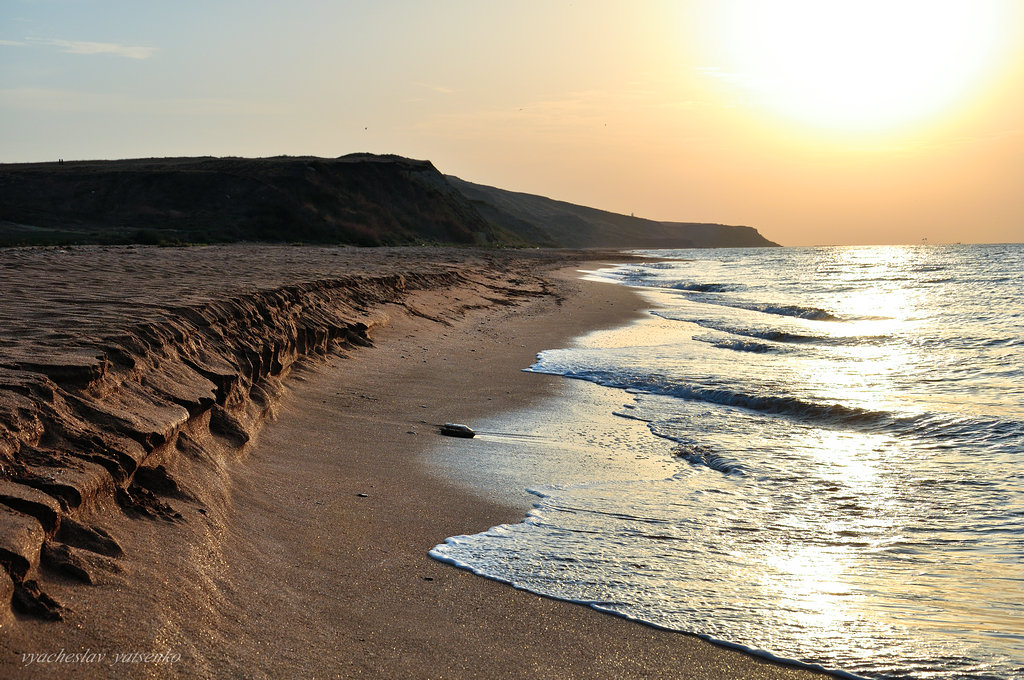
(862, 65)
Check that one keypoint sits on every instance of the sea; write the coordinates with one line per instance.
(813, 454)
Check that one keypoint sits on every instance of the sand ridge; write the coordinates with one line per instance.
(97, 414)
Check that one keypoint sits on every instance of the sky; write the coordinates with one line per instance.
(818, 122)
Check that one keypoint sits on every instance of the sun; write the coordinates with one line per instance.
(868, 65)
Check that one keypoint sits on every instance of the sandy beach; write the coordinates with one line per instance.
(281, 522)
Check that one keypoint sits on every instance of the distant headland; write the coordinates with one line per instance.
(358, 199)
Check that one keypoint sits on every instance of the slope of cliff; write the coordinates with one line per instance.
(559, 224)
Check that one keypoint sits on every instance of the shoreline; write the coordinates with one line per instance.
(309, 550)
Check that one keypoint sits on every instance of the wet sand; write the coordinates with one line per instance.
(303, 553)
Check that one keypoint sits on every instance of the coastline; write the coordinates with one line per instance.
(309, 550)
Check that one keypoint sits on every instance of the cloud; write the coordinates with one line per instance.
(84, 47)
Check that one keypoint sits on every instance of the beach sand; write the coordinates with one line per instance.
(303, 553)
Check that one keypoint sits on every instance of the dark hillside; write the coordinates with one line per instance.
(361, 199)
(557, 223)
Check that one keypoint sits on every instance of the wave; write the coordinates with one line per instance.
(772, 334)
(700, 454)
(648, 276)
(1001, 342)
(796, 311)
(703, 287)
(739, 345)
(649, 279)
(458, 552)
(775, 405)
(662, 265)
(942, 427)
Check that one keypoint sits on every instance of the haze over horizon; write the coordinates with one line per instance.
(817, 123)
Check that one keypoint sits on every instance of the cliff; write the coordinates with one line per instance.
(359, 199)
(559, 224)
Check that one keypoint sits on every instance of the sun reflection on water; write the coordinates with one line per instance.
(876, 299)
(811, 588)
(872, 281)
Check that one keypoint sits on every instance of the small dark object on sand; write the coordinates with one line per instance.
(456, 430)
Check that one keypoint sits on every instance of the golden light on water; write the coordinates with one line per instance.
(846, 458)
(873, 302)
(884, 299)
(866, 65)
(814, 592)
(818, 580)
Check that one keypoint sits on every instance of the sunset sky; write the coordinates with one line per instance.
(817, 122)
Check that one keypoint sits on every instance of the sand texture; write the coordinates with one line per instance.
(212, 466)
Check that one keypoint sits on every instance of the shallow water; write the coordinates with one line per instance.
(837, 472)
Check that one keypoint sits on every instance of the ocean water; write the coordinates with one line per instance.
(828, 468)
